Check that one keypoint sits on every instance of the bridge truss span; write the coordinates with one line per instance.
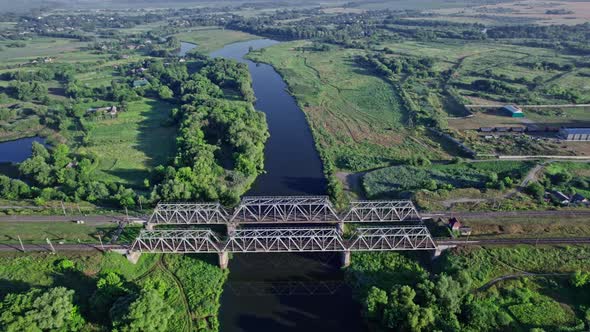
(299, 239)
(392, 238)
(176, 241)
(189, 213)
(382, 211)
(285, 240)
(285, 209)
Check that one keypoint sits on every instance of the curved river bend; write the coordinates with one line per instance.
(284, 292)
(291, 161)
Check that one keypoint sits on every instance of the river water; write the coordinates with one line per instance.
(291, 161)
(285, 292)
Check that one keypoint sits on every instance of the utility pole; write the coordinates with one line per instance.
(140, 207)
(21, 243)
(63, 207)
(50, 245)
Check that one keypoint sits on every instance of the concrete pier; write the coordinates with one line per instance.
(133, 256)
(223, 259)
(345, 258)
(440, 249)
(231, 228)
(340, 227)
(149, 227)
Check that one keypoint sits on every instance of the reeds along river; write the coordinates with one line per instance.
(285, 292)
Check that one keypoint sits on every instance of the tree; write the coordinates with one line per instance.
(536, 190)
(148, 312)
(580, 279)
(402, 313)
(108, 289)
(36, 311)
(374, 302)
(561, 177)
(165, 93)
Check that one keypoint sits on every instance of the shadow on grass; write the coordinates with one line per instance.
(156, 139)
(12, 286)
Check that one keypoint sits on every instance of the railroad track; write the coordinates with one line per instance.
(438, 241)
(515, 241)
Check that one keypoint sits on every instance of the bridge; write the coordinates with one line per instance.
(282, 209)
(284, 224)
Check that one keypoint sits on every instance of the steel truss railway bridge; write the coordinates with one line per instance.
(285, 224)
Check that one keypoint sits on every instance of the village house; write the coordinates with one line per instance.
(578, 199)
(559, 197)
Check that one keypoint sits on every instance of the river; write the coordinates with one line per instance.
(285, 292)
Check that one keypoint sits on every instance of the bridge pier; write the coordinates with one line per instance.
(133, 256)
(345, 256)
(340, 227)
(440, 249)
(149, 226)
(231, 228)
(223, 259)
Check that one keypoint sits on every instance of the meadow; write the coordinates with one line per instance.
(356, 117)
(57, 232)
(134, 142)
(61, 48)
(209, 39)
(404, 181)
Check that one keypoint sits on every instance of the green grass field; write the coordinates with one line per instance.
(209, 39)
(403, 181)
(471, 60)
(134, 142)
(67, 232)
(61, 48)
(356, 117)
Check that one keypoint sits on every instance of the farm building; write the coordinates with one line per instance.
(577, 199)
(575, 134)
(455, 224)
(513, 111)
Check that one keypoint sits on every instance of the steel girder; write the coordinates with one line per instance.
(189, 213)
(176, 241)
(381, 211)
(392, 238)
(285, 209)
(285, 240)
(326, 239)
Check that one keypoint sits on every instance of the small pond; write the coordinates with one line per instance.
(18, 150)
